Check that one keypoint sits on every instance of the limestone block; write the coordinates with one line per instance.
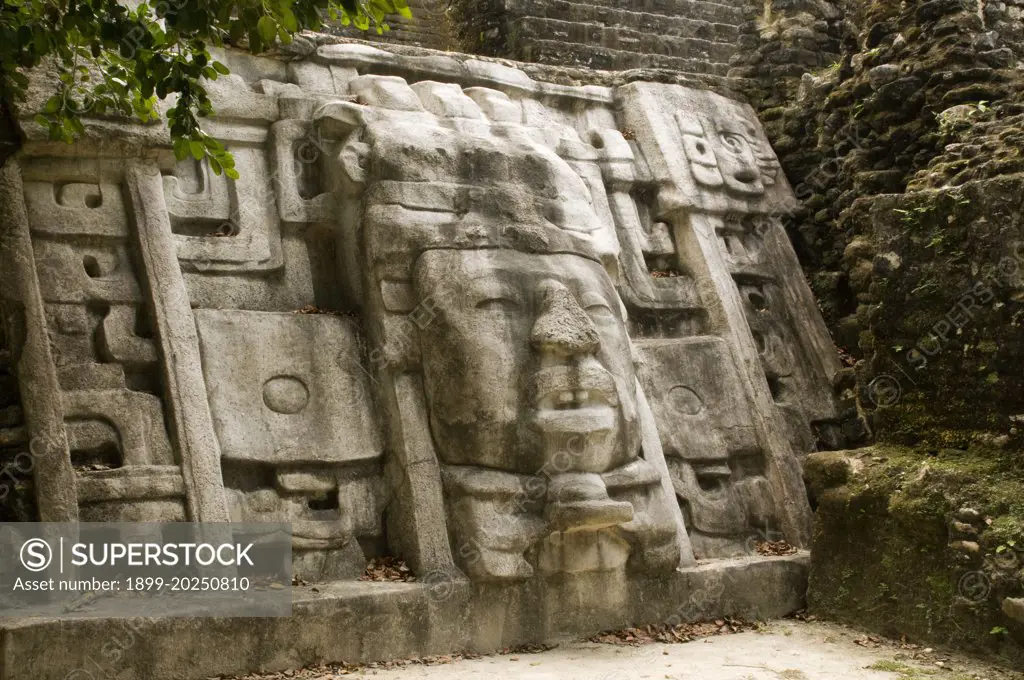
(576, 327)
(74, 273)
(296, 151)
(496, 105)
(312, 77)
(132, 494)
(710, 442)
(709, 152)
(446, 100)
(386, 92)
(195, 192)
(118, 341)
(222, 224)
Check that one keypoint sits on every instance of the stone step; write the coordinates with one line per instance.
(621, 39)
(654, 24)
(595, 56)
(694, 9)
(427, 28)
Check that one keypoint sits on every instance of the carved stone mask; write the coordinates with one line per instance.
(526, 360)
(737, 158)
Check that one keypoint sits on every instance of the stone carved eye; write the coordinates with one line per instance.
(501, 303)
(598, 308)
(285, 394)
(685, 401)
(734, 142)
(710, 483)
(494, 295)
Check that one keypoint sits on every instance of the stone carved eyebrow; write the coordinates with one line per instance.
(492, 286)
(590, 299)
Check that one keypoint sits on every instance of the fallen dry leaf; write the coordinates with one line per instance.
(684, 632)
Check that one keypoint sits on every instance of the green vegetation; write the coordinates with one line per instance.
(107, 58)
(921, 543)
(906, 672)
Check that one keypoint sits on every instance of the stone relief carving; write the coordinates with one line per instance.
(105, 361)
(715, 459)
(543, 304)
(297, 436)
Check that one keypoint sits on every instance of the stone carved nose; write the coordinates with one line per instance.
(746, 175)
(562, 326)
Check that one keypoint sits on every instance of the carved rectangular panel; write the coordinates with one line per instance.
(287, 388)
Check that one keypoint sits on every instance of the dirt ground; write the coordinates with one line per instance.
(787, 650)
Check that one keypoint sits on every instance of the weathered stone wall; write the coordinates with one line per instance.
(900, 127)
(693, 36)
(909, 82)
(783, 42)
(17, 500)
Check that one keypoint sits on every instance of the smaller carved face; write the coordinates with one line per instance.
(727, 152)
(735, 147)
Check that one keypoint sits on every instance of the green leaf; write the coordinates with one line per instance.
(181, 149)
(288, 20)
(53, 104)
(267, 28)
(231, 172)
(237, 31)
(221, 68)
(255, 42)
(224, 13)
(42, 120)
(198, 150)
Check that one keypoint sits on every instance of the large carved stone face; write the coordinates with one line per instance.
(527, 363)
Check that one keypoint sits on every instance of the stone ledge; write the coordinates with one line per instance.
(624, 39)
(365, 622)
(546, 51)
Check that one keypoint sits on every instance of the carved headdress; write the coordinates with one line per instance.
(439, 167)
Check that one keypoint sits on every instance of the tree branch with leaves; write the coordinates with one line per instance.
(117, 60)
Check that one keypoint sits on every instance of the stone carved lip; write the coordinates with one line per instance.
(565, 388)
(583, 421)
(572, 399)
(319, 535)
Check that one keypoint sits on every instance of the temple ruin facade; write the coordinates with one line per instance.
(548, 343)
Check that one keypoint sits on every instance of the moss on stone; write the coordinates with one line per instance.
(922, 543)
